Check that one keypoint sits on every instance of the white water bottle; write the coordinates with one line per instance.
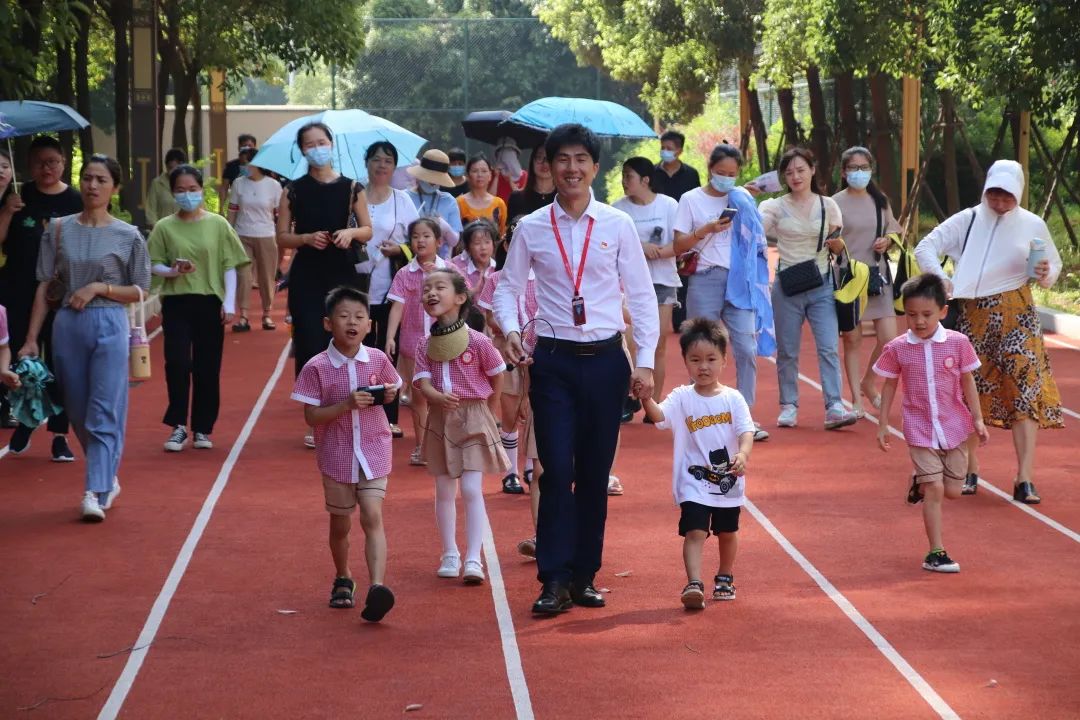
(1036, 256)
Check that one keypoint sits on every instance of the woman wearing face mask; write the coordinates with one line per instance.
(431, 201)
(802, 221)
(103, 264)
(391, 211)
(195, 253)
(253, 201)
(458, 160)
(721, 223)
(997, 249)
(867, 220)
(314, 216)
(478, 202)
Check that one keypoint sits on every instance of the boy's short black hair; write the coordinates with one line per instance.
(175, 155)
(703, 330)
(674, 136)
(342, 293)
(572, 134)
(927, 285)
(244, 137)
(456, 154)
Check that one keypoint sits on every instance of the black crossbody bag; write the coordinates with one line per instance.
(804, 276)
(953, 316)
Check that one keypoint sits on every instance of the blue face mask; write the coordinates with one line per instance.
(243, 171)
(722, 183)
(189, 201)
(858, 179)
(457, 171)
(426, 187)
(667, 155)
(319, 156)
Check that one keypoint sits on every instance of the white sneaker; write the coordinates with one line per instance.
(202, 442)
(760, 433)
(309, 442)
(474, 572)
(789, 416)
(837, 417)
(177, 439)
(449, 566)
(91, 510)
(112, 494)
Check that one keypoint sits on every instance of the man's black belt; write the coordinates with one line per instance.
(582, 349)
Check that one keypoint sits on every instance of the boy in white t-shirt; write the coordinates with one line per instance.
(714, 434)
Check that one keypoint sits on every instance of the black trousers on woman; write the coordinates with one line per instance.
(376, 338)
(193, 338)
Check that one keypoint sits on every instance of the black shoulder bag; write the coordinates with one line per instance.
(877, 282)
(953, 316)
(803, 276)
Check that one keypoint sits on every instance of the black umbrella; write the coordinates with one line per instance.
(488, 126)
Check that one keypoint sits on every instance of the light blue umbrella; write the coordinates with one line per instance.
(603, 117)
(354, 131)
(27, 117)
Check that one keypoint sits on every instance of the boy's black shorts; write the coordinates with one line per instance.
(696, 516)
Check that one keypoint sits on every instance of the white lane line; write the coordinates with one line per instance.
(1060, 343)
(1048, 521)
(883, 646)
(4, 451)
(519, 689)
(155, 333)
(161, 605)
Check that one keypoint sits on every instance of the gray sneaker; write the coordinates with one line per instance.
(837, 417)
(202, 442)
(177, 439)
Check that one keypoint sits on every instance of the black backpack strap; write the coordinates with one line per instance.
(974, 212)
(821, 233)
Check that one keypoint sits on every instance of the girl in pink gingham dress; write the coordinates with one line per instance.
(458, 370)
(477, 262)
(407, 313)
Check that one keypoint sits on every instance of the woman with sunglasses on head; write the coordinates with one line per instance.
(103, 265)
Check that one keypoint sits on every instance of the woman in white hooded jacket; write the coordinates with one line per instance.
(989, 246)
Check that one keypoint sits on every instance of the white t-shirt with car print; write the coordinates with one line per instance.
(706, 431)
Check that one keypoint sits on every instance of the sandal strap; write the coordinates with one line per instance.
(695, 584)
(344, 582)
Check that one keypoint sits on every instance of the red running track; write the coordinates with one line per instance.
(783, 649)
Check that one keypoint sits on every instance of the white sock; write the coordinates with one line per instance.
(510, 445)
(528, 464)
(446, 512)
(475, 515)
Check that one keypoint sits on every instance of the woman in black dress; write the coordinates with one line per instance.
(314, 218)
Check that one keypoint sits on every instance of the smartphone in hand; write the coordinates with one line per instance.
(728, 213)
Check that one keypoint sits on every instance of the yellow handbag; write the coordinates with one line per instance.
(850, 285)
(906, 268)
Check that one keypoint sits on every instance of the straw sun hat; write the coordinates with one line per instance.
(433, 168)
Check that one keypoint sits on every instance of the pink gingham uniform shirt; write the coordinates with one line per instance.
(527, 305)
(359, 439)
(935, 415)
(407, 288)
(474, 276)
(468, 375)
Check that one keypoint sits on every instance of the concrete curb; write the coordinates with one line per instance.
(1059, 322)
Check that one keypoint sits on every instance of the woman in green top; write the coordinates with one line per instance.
(195, 253)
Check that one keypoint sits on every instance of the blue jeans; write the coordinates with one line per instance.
(819, 308)
(92, 366)
(705, 295)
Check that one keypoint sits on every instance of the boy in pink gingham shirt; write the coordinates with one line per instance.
(940, 405)
(352, 441)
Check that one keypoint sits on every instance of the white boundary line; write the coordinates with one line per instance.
(1048, 521)
(883, 646)
(1060, 343)
(168, 590)
(519, 689)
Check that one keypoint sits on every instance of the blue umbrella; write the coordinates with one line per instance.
(603, 117)
(27, 117)
(354, 131)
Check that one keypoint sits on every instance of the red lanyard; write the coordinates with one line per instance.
(562, 251)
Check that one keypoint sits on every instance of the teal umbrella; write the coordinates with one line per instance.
(27, 117)
(603, 117)
(30, 402)
(354, 131)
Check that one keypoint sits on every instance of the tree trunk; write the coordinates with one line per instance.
(181, 95)
(948, 153)
(844, 89)
(882, 135)
(162, 96)
(64, 91)
(820, 133)
(792, 132)
(1061, 162)
(120, 16)
(196, 116)
(757, 122)
(82, 83)
(999, 138)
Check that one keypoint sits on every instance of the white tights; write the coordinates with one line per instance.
(475, 514)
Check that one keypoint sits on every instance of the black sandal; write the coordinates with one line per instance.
(1026, 493)
(341, 595)
(241, 325)
(511, 486)
(378, 602)
(724, 587)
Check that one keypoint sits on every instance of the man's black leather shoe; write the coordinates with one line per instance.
(585, 595)
(554, 599)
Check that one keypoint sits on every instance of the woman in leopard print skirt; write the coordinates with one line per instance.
(990, 245)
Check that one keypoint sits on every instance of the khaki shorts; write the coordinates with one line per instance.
(932, 465)
(341, 498)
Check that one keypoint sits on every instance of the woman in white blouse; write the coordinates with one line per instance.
(801, 222)
(253, 201)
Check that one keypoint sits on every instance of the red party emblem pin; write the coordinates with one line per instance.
(467, 357)
(949, 363)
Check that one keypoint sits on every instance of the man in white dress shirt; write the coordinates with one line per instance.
(585, 256)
